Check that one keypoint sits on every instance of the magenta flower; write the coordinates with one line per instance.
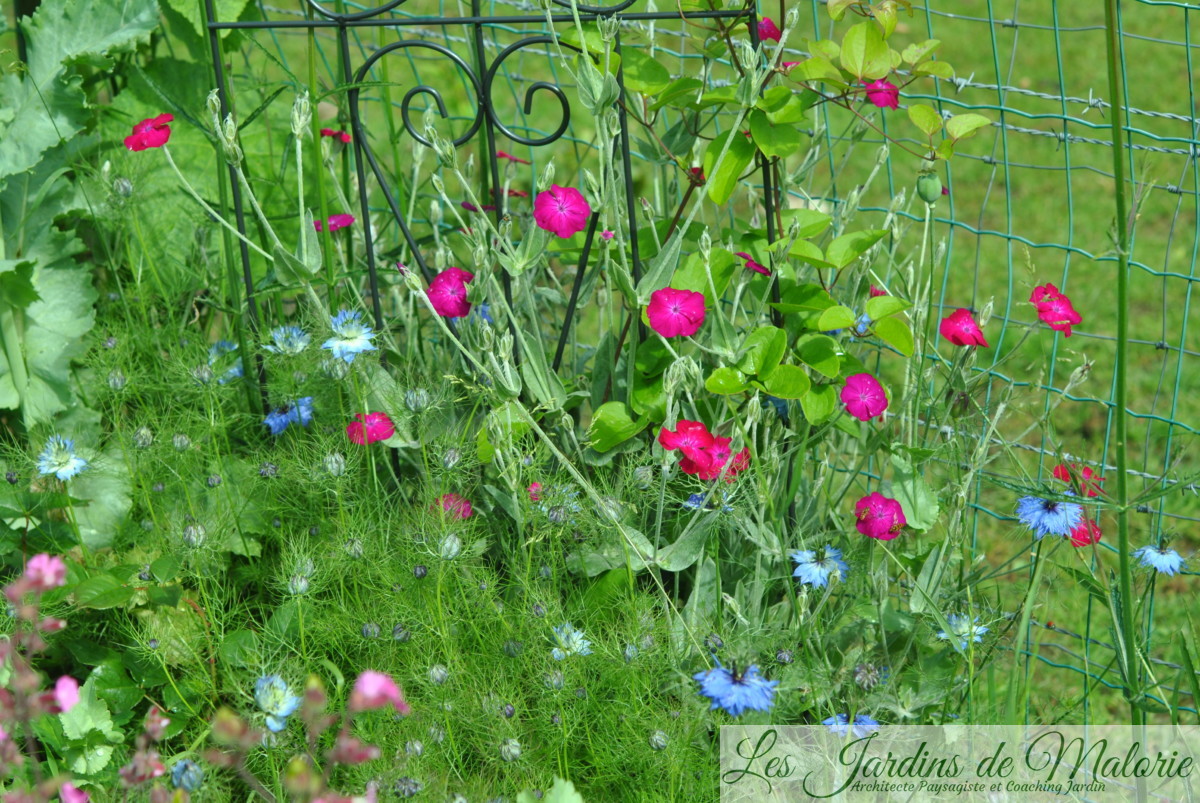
(879, 517)
(457, 506)
(535, 492)
(960, 328)
(448, 293)
(369, 428)
(675, 313)
(693, 439)
(341, 135)
(875, 292)
(606, 235)
(1055, 309)
(151, 133)
(69, 793)
(510, 157)
(561, 210)
(864, 397)
(883, 94)
(375, 690)
(767, 29)
(45, 572)
(751, 264)
(66, 692)
(335, 222)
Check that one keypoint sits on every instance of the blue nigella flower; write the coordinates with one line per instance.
(218, 357)
(277, 420)
(302, 412)
(862, 325)
(569, 641)
(736, 691)
(816, 567)
(484, 312)
(298, 412)
(274, 697)
(863, 725)
(351, 336)
(187, 775)
(58, 458)
(290, 340)
(1046, 517)
(962, 631)
(780, 405)
(1162, 560)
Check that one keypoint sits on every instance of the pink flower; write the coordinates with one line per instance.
(675, 313)
(470, 207)
(875, 292)
(751, 264)
(693, 439)
(151, 133)
(697, 175)
(883, 94)
(606, 235)
(518, 194)
(335, 222)
(510, 157)
(369, 428)
(66, 692)
(1086, 532)
(879, 517)
(46, 572)
(959, 328)
(374, 690)
(69, 793)
(448, 293)
(719, 454)
(156, 723)
(1086, 480)
(535, 492)
(767, 29)
(788, 65)
(864, 397)
(561, 210)
(342, 135)
(1055, 309)
(349, 750)
(457, 506)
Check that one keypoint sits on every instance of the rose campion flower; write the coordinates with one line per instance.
(69, 793)
(375, 690)
(675, 313)
(340, 135)
(1055, 309)
(369, 428)
(66, 692)
(561, 210)
(960, 328)
(448, 293)
(1088, 480)
(151, 133)
(879, 516)
(883, 94)
(606, 235)
(864, 397)
(335, 222)
(1086, 532)
(46, 572)
(768, 30)
(456, 506)
(535, 492)
(690, 437)
(876, 292)
(751, 264)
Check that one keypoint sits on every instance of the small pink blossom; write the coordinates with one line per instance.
(374, 690)
(448, 293)
(960, 328)
(879, 517)
(369, 428)
(767, 29)
(470, 207)
(875, 292)
(45, 572)
(788, 65)
(864, 397)
(1055, 309)
(675, 313)
(561, 210)
(457, 506)
(535, 492)
(69, 793)
(606, 235)
(335, 222)
(883, 94)
(66, 692)
(339, 135)
(751, 264)
(510, 157)
(151, 133)
(156, 723)
(349, 750)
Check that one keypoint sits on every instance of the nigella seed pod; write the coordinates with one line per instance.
(438, 674)
(144, 575)
(508, 711)
(143, 437)
(158, 487)
(929, 187)
(110, 342)
(414, 747)
(713, 642)
(407, 787)
(203, 374)
(554, 679)
(630, 652)
(555, 719)
(213, 480)
(334, 464)
(538, 610)
(11, 477)
(181, 442)
(297, 585)
(436, 734)
(354, 548)
(545, 573)
(314, 531)
(784, 656)
(451, 547)
(147, 525)
(510, 750)
(122, 187)
(643, 477)
(370, 630)
(193, 535)
(513, 648)
(420, 570)
(276, 522)
(306, 566)
(116, 379)
(268, 470)
(581, 693)
(401, 633)
(416, 399)
(658, 740)
(557, 514)
(152, 644)
(451, 458)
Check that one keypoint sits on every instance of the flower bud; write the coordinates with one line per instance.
(451, 458)
(929, 188)
(227, 135)
(416, 399)
(370, 630)
(297, 585)
(547, 177)
(213, 104)
(451, 547)
(193, 534)
(334, 464)
(658, 740)
(116, 379)
(122, 187)
(181, 442)
(510, 750)
(301, 115)
(438, 674)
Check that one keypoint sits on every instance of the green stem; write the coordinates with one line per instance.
(187, 187)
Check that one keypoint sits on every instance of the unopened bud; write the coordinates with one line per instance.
(547, 178)
(301, 115)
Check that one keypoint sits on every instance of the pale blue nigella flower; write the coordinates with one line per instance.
(290, 340)
(735, 691)
(298, 412)
(187, 775)
(780, 406)
(962, 631)
(59, 458)
(863, 725)
(218, 357)
(301, 411)
(696, 502)
(276, 700)
(1162, 560)
(1046, 517)
(351, 336)
(484, 312)
(277, 420)
(816, 567)
(862, 325)
(569, 641)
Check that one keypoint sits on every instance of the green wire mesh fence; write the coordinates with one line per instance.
(1030, 202)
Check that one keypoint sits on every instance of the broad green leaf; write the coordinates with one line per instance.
(545, 386)
(938, 69)
(821, 353)
(811, 221)
(882, 306)
(739, 156)
(648, 398)
(885, 18)
(87, 715)
(116, 689)
(864, 53)
(787, 382)
(762, 351)
(808, 252)
(806, 302)
(725, 381)
(774, 140)
(961, 126)
(816, 68)
(165, 568)
(819, 403)
(563, 791)
(687, 549)
(612, 424)
(16, 282)
(784, 106)
(919, 51)
(849, 247)
(928, 581)
(723, 266)
(107, 488)
(837, 8)
(925, 118)
(945, 149)
(239, 648)
(717, 97)
(102, 591)
(826, 48)
(225, 10)
(679, 89)
(837, 317)
(896, 333)
(661, 267)
(504, 418)
(911, 491)
(642, 73)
